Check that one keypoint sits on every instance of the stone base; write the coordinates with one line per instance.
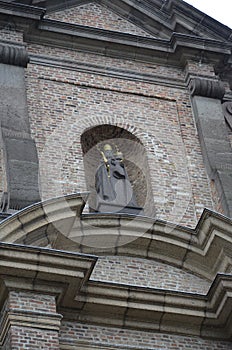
(116, 208)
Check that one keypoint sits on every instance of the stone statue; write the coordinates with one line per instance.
(114, 190)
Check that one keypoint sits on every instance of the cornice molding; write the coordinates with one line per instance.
(158, 310)
(119, 73)
(154, 14)
(21, 10)
(158, 18)
(204, 250)
(176, 46)
(176, 50)
(205, 21)
(66, 275)
(175, 40)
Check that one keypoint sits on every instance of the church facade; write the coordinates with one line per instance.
(116, 176)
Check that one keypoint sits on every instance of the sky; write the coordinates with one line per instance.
(221, 10)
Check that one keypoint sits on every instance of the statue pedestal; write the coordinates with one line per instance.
(107, 207)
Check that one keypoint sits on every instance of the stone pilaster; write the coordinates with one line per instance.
(13, 55)
(207, 93)
(19, 150)
(227, 109)
(30, 290)
(30, 321)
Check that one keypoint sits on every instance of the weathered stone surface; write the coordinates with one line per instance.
(216, 148)
(227, 108)
(14, 55)
(195, 250)
(207, 88)
(21, 161)
(13, 99)
(65, 275)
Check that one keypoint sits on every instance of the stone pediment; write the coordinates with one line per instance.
(149, 30)
(97, 16)
(154, 18)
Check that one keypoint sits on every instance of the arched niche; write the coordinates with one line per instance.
(134, 158)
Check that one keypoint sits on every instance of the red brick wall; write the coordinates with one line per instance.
(30, 331)
(147, 273)
(64, 103)
(7, 33)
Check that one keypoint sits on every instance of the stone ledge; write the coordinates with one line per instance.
(204, 250)
(95, 69)
(158, 310)
(21, 10)
(179, 47)
(28, 319)
(67, 276)
(43, 270)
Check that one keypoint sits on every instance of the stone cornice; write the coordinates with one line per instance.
(176, 49)
(203, 251)
(170, 45)
(203, 20)
(158, 18)
(114, 72)
(66, 275)
(176, 46)
(21, 10)
(43, 270)
(158, 310)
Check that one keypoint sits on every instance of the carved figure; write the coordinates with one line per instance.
(112, 183)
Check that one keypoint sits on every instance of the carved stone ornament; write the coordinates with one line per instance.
(227, 109)
(206, 88)
(13, 55)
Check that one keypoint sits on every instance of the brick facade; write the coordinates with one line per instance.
(152, 274)
(74, 101)
(168, 285)
(30, 322)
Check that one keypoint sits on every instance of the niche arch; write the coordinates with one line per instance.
(134, 156)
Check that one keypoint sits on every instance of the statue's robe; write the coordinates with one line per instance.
(113, 185)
